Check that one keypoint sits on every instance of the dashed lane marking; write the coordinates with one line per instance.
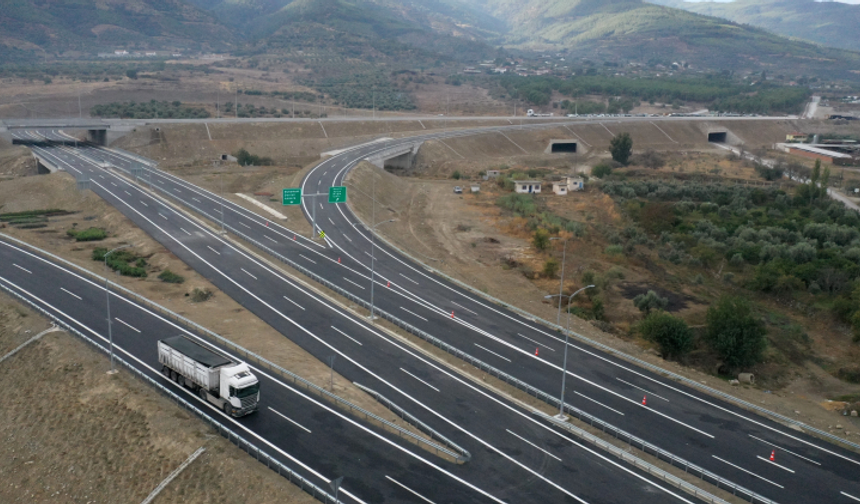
(419, 379)
(771, 462)
(533, 341)
(464, 308)
(598, 403)
(297, 305)
(184, 231)
(642, 389)
(406, 277)
(135, 329)
(413, 492)
(492, 352)
(247, 273)
(285, 417)
(72, 294)
(414, 314)
(213, 250)
(524, 440)
(307, 258)
(22, 268)
(783, 449)
(347, 335)
(353, 283)
(747, 471)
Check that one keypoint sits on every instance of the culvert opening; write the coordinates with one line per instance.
(718, 137)
(563, 147)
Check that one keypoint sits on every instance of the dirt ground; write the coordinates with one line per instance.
(92, 438)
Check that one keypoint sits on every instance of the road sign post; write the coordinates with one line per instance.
(293, 196)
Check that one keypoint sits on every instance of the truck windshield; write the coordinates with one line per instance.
(248, 391)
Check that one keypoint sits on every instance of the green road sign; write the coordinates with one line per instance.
(337, 194)
(292, 196)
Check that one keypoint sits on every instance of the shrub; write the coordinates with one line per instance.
(171, 277)
(245, 158)
(621, 147)
(734, 334)
(601, 170)
(550, 268)
(672, 334)
(597, 308)
(541, 239)
(650, 301)
(201, 295)
(89, 234)
(456, 175)
(614, 250)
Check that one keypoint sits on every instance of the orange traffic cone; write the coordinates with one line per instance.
(644, 401)
(389, 284)
(338, 260)
(536, 352)
(452, 313)
(267, 223)
(772, 455)
(294, 237)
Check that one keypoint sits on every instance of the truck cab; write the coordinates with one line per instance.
(241, 389)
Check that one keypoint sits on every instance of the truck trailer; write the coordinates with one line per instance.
(216, 378)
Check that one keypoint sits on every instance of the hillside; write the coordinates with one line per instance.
(633, 30)
(33, 26)
(831, 24)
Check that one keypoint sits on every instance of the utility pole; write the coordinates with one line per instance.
(107, 292)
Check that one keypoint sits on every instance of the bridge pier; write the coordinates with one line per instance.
(97, 136)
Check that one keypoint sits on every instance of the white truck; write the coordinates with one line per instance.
(227, 384)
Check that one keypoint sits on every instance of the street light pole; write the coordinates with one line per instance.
(107, 291)
(561, 281)
(561, 415)
(373, 259)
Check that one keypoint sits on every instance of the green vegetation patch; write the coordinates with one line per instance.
(168, 276)
(89, 234)
(149, 110)
(123, 261)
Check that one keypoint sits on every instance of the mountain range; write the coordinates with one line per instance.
(422, 33)
(833, 24)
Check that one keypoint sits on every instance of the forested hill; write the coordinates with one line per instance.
(638, 31)
(831, 24)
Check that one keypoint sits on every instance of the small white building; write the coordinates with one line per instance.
(527, 186)
(476, 188)
(492, 174)
(559, 188)
(575, 184)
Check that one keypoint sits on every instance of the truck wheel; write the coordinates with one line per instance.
(227, 408)
(174, 376)
(165, 371)
(202, 392)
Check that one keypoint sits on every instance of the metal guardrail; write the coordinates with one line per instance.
(618, 353)
(251, 356)
(635, 461)
(408, 417)
(231, 436)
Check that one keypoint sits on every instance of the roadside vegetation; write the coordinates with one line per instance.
(124, 262)
(149, 110)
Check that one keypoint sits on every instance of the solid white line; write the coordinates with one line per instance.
(406, 277)
(135, 329)
(307, 258)
(270, 238)
(22, 268)
(246, 272)
(747, 471)
(533, 341)
(534, 445)
(774, 463)
(414, 314)
(783, 449)
(285, 417)
(347, 335)
(850, 496)
(419, 379)
(353, 283)
(212, 249)
(492, 352)
(144, 204)
(71, 294)
(413, 492)
(463, 307)
(243, 224)
(186, 232)
(297, 305)
(598, 403)
(642, 389)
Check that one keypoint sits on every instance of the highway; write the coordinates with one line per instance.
(515, 456)
(714, 434)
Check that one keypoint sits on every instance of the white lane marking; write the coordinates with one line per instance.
(72, 294)
(533, 341)
(414, 314)
(368, 254)
(332, 222)
(642, 389)
(307, 258)
(321, 207)
(324, 173)
(216, 210)
(102, 176)
(144, 204)
(162, 216)
(270, 238)
(285, 417)
(114, 184)
(22, 268)
(747, 471)
(297, 305)
(197, 200)
(353, 283)
(246, 272)
(177, 190)
(347, 238)
(774, 463)
(413, 492)
(850, 496)
(319, 182)
(783, 449)
(135, 329)
(127, 193)
(463, 307)
(492, 352)
(524, 440)
(406, 277)
(347, 335)
(419, 379)
(213, 250)
(598, 403)
(243, 224)
(160, 181)
(186, 232)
